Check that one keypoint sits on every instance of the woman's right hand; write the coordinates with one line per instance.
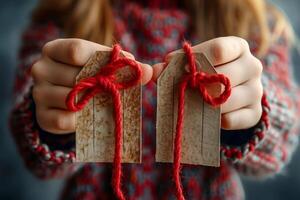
(54, 76)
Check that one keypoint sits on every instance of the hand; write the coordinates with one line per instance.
(54, 76)
(231, 56)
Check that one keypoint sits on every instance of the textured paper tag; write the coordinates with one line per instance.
(201, 128)
(95, 136)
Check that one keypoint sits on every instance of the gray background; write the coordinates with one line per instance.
(17, 183)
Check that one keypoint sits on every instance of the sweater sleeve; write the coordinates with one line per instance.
(45, 154)
(268, 147)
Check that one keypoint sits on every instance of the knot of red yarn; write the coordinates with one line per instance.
(195, 80)
(105, 81)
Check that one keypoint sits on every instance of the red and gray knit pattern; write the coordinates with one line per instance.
(258, 152)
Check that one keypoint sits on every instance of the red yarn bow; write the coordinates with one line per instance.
(195, 80)
(105, 81)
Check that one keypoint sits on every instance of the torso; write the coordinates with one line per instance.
(149, 34)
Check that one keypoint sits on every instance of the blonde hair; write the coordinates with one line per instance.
(93, 19)
(89, 19)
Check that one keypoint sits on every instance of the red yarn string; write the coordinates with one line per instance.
(105, 81)
(194, 80)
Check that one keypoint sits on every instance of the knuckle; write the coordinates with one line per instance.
(218, 49)
(74, 50)
(60, 122)
(227, 122)
(223, 47)
(245, 44)
(257, 112)
(260, 90)
(257, 90)
(46, 48)
(41, 119)
(257, 65)
(36, 71)
(37, 93)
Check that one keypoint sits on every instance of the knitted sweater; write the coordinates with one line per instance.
(258, 151)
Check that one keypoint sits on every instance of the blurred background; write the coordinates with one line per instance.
(17, 183)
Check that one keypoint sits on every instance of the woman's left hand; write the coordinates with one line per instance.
(231, 56)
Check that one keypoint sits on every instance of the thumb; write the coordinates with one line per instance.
(147, 73)
(158, 68)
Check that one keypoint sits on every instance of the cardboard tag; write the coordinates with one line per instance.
(95, 137)
(201, 128)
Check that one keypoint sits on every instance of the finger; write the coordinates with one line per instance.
(219, 50)
(223, 50)
(55, 120)
(51, 96)
(54, 72)
(147, 73)
(241, 70)
(65, 75)
(157, 70)
(243, 118)
(243, 95)
(74, 51)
